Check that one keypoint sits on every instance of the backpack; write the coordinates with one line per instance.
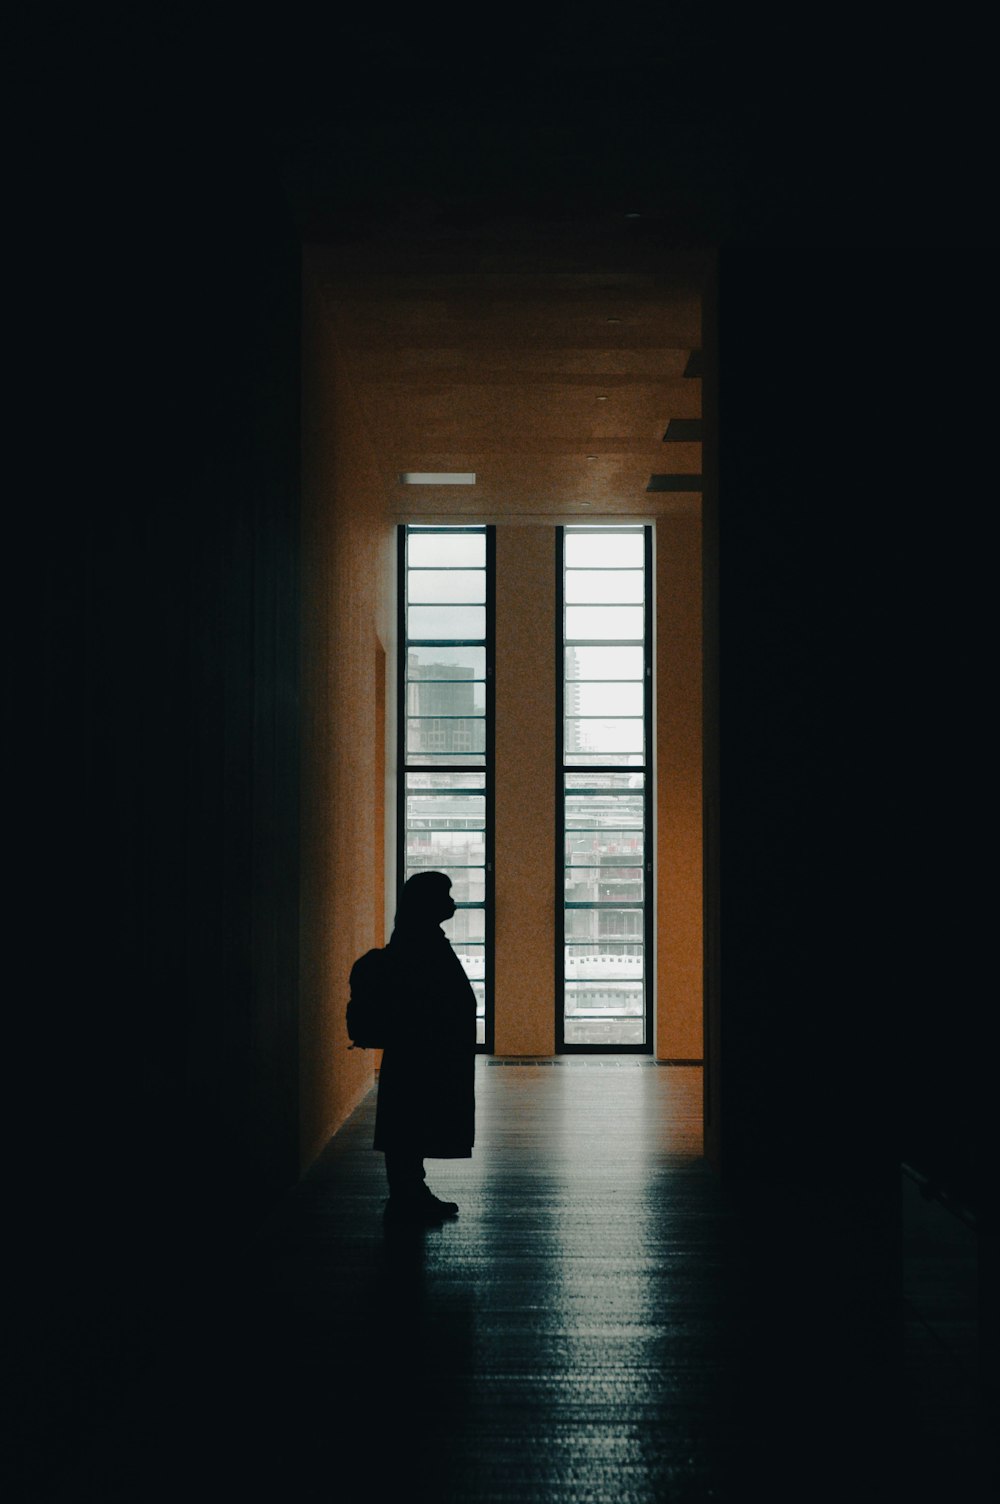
(370, 1006)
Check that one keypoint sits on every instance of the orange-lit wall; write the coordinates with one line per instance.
(678, 696)
(525, 790)
(349, 754)
(347, 556)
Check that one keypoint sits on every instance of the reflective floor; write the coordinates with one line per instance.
(603, 1322)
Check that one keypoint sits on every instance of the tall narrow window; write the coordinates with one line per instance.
(446, 734)
(605, 794)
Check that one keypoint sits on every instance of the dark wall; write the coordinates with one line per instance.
(854, 471)
(153, 575)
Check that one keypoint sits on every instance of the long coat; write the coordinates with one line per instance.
(426, 1086)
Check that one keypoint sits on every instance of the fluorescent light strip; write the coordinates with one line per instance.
(437, 478)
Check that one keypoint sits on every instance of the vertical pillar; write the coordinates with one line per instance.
(525, 790)
(678, 720)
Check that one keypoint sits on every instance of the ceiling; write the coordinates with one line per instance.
(548, 359)
(515, 244)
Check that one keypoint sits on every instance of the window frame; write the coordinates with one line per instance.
(647, 1047)
(487, 767)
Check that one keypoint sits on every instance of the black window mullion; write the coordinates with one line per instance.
(643, 860)
(560, 957)
(401, 716)
(488, 981)
(445, 762)
(647, 788)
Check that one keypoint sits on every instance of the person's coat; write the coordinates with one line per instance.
(426, 1086)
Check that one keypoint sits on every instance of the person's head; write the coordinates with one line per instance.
(425, 899)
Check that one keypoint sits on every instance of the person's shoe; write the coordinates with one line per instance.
(440, 1208)
(415, 1211)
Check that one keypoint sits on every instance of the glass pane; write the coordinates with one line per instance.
(601, 585)
(602, 781)
(605, 1031)
(460, 759)
(473, 959)
(613, 959)
(467, 924)
(445, 848)
(447, 621)
(600, 925)
(447, 585)
(447, 549)
(605, 595)
(604, 884)
(604, 699)
(598, 622)
(433, 735)
(604, 811)
(444, 671)
(444, 662)
(468, 884)
(590, 848)
(604, 550)
(445, 811)
(604, 663)
(603, 998)
(459, 697)
(446, 781)
(603, 735)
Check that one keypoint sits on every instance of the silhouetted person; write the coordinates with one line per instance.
(426, 1087)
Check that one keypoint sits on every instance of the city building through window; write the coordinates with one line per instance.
(604, 808)
(603, 706)
(446, 719)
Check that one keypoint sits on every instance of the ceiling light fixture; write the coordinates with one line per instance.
(437, 478)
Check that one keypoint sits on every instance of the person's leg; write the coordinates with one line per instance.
(405, 1174)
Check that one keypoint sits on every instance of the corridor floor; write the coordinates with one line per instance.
(602, 1322)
